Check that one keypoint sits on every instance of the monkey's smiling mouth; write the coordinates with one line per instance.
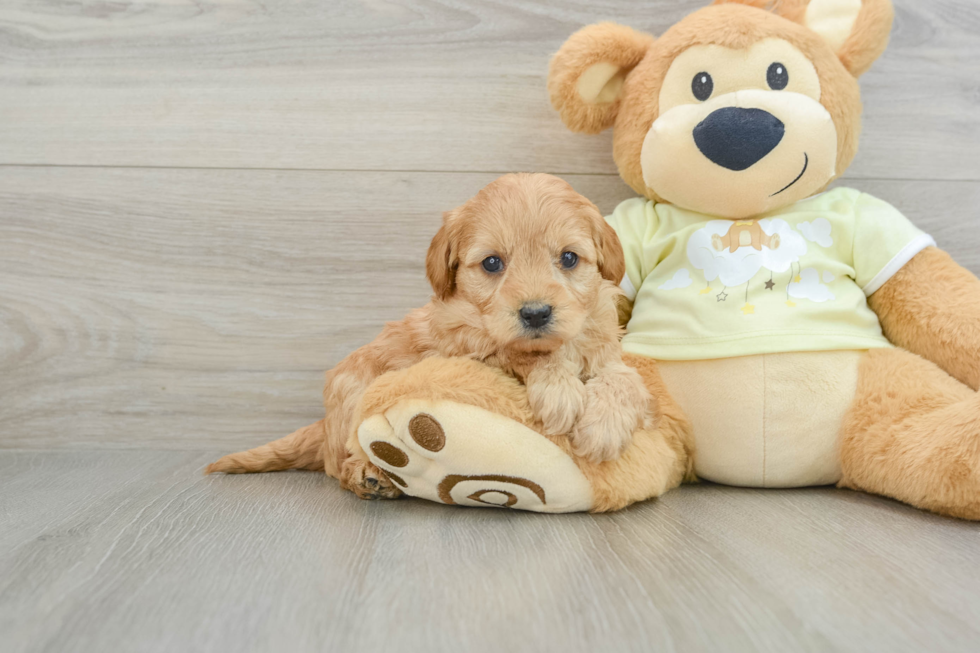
(806, 163)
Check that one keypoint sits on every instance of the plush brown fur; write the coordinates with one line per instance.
(931, 308)
(868, 38)
(577, 384)
(913, 434)
(660, 457)
(604, 42)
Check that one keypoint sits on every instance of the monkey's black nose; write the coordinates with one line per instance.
(737, 138)
(535, 316)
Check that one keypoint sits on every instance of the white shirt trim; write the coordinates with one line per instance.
(628, 287)
(918, 244)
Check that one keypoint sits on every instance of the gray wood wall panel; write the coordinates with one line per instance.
(150, 298)
(199, 308)
(400, 85)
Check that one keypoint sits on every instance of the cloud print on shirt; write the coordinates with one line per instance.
(681, 279)
(817, 232)
(809, 287)
(736, 268)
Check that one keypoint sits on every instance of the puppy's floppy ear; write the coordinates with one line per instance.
(441, 260)
(586, 76)
(856, 30)
(609, 258)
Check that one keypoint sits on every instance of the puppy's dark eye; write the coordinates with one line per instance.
(569, 260)
(493, 264)
(702, 86)
(777, 76)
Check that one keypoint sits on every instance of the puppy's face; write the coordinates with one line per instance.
(529, 254)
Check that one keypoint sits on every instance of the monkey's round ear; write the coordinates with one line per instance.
(441, 260)
(587, 73)
(857, 30)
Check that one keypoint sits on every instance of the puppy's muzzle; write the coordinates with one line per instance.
(535, 316)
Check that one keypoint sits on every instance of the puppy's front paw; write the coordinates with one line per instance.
(613, 411)
(557, 403)
(366, 481)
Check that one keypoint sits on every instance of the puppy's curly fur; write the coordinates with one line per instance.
(570, 359)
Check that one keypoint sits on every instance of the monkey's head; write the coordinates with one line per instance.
(741, 108)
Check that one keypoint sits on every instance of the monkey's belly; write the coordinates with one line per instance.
(771, 420)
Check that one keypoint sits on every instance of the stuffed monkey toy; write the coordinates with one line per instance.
(811, 336)
(790, 335)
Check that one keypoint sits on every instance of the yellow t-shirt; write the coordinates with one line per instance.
(795, 280)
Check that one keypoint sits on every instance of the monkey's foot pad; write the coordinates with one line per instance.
(462, 455)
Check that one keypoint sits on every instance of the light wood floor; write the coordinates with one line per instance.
(203, 205)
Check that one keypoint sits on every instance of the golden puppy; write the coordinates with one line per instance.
(524, 276)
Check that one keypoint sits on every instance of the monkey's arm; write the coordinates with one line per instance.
(931, 307)
(624, 307)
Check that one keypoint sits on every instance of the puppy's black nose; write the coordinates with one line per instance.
(535, 316)
(737, 138)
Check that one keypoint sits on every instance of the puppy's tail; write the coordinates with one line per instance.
(299, 450)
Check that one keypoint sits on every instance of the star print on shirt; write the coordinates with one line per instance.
(722, 296)
(770, 284)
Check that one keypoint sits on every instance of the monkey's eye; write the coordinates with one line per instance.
(493, 264)
(569, 260)
(702, 86)
(777, 76)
